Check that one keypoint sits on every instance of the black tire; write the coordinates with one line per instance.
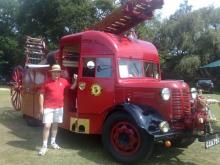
(136, 141)
(32, 122)
(182, 142)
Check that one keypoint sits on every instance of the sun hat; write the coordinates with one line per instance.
(55, 67)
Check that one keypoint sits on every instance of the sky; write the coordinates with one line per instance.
(170, 6)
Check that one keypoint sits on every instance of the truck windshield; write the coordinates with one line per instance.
(129, 68)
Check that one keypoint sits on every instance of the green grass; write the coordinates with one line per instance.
(19, 144)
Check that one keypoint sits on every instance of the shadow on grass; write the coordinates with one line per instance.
(87, 146)
(27, 136)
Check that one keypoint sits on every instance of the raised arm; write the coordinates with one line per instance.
(74, 81)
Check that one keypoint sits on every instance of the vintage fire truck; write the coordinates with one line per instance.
(120, 94)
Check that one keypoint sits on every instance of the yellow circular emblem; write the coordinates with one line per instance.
(96, 89)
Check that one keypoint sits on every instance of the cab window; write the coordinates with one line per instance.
(97, 67)
(132, 68)
(151, 70)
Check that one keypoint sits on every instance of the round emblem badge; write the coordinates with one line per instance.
(96, 89)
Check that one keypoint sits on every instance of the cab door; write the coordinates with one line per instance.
(95, 85)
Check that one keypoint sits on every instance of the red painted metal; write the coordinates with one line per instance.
(125, 138)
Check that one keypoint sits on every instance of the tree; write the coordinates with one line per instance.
(188, 39)
(10, 51)
(53, 19)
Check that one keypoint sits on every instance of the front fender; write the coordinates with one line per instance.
(146, 117)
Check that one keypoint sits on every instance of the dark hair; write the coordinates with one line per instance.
(51, 59)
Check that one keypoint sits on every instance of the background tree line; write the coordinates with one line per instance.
(185, 41)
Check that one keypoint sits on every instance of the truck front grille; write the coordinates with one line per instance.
(180, 103)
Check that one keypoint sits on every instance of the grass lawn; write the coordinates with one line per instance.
(19, 144)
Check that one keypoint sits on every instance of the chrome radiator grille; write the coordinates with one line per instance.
(180, 103)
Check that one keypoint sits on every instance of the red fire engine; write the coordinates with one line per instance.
(120, 93)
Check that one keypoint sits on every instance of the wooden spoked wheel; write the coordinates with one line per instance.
(16, 87)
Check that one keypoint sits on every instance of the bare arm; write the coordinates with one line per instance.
(74, 81)
(41, 103)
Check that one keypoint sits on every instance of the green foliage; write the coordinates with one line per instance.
(103, 8)
(187, 66)
(187, 34)
(185, 41)
(54, 18)
(50, 19)
(10, 52)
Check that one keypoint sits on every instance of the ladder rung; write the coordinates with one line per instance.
(34, 51)
(114, 25)
(35, 46)
(111, 28)
(127, 17)
(32, 58)
(140, 7)
(117, 22)
(38, 53)
(121, 19)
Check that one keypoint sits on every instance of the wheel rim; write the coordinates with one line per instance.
(125, 138)
(16, 88)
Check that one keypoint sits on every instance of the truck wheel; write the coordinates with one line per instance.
(124, 140)
(183, 142)
(16, 87)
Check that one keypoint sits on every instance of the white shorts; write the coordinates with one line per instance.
(53, 115)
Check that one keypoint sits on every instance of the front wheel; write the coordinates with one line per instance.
(124, 140)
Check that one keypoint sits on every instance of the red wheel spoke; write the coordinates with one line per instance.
(16, 87)
(125, 138)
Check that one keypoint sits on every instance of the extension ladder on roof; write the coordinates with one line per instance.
(128, 16)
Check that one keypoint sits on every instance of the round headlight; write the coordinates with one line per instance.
(165, 94)
(164, 126)
(193, 93)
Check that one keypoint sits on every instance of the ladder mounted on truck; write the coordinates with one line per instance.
(128, 16)
(34, 50)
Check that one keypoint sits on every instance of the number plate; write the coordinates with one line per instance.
(212, 140)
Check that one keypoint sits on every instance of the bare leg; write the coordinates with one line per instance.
(54, 130)
(46, 132)
(53, 136)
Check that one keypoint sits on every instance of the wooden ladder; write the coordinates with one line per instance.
(128, 16)
(34, 50)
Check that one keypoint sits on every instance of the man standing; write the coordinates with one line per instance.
(51, 105)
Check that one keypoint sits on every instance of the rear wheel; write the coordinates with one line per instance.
(124, 140)
(16, 87)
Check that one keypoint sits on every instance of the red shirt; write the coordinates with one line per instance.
(53, 91)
